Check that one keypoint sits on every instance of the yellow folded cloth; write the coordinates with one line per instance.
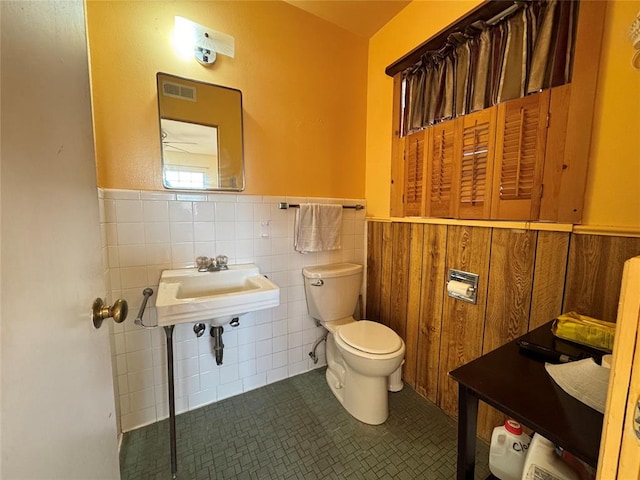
(585, 330)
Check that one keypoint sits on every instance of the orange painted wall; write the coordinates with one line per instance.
(413, 25)
(303, 82)
(613, 184)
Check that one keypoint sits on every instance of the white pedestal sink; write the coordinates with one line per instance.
(186, 295)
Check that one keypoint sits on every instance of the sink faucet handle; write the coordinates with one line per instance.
(203, 263)
(222, 260)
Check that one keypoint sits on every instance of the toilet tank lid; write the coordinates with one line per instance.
(332, 270)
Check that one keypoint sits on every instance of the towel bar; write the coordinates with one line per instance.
(285, 205)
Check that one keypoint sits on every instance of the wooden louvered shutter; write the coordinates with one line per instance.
(440, 170)
(520, 148)
(414, 145)
(474, 156)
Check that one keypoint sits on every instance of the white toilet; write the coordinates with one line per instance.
(364, 359)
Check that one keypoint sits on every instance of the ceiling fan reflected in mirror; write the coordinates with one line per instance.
(188, 137)
(171, 144)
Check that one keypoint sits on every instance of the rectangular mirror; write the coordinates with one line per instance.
(200, 134)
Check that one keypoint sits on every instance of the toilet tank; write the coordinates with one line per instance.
(332, 290)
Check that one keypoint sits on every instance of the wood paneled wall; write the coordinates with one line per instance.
(595, 272)
(526, 278)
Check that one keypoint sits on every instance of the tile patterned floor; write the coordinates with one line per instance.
(296, 429)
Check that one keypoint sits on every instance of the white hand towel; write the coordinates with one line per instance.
(317, 227)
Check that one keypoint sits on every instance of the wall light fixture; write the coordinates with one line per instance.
(191, 39)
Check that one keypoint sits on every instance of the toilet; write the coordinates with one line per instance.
(364, 358)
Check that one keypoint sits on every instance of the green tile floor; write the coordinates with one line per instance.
(296, 429)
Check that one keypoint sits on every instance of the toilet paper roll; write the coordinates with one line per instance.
(458, 288)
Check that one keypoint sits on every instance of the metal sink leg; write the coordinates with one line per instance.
(168, 330)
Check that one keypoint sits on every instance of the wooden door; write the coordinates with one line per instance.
(474, 151)
(620, 445)
(440, 191)
(520, 149)
(58, 409)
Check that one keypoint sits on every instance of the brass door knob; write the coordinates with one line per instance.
(100, 311)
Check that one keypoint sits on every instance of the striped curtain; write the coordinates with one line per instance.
(488, 63)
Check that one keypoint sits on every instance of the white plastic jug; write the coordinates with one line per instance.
(508, 451)
(543, 462)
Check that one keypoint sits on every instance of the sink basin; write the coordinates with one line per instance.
(186, 295)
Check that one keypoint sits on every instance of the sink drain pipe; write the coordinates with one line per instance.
(218, 346)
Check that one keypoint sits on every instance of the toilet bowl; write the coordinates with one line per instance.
(362, 356)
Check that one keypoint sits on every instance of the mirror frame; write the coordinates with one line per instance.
(228, 122)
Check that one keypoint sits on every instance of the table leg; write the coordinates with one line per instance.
(467, 424)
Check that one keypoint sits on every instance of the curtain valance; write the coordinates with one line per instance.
(490, 62)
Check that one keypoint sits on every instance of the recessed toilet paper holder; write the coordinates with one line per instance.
(463, 286)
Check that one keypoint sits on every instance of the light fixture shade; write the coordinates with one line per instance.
(202, 42)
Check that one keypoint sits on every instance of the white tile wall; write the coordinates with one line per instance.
(147, 232)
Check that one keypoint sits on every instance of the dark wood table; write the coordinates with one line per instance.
(517, 384)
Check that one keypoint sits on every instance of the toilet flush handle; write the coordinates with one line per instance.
(317, 283)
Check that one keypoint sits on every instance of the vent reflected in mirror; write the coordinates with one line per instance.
(200, 134)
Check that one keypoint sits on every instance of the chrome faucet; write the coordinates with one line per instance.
(206, 264)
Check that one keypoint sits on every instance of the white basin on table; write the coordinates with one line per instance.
(186, 295)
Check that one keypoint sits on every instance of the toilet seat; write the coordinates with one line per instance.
(370, 337)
